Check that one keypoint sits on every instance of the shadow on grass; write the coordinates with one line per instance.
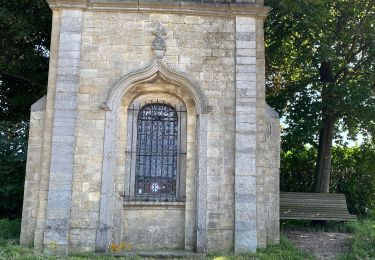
(311, 226)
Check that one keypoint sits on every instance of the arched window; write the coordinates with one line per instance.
(160, 149)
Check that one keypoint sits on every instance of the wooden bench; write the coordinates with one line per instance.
(314, 206)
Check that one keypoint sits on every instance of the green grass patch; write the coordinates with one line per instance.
(11, 250)
(362, 241)
(285, 251)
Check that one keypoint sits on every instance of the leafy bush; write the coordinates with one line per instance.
(13, 146)
(10, 228)
(297, 170)
(353, 173)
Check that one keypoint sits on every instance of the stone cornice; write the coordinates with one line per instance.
(57, 4)
(185, 8)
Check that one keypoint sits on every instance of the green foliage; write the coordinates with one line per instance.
(10, 229)
(362, 241)
(296, 170)
(13, 143)
(353, 174)
(300, 37)
(25, 27)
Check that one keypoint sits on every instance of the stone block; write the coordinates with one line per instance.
(245, 60)
(54, 195)
(246, 241)
(58, 213)
(243, 44)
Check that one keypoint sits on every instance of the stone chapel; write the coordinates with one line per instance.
(154, 132)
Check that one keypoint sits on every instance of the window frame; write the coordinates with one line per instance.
(130, 194)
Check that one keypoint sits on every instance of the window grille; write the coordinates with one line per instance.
(158, 161)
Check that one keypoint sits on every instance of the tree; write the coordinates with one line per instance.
(13, 145)
(24, 42)
(25, 27)
(320, 58)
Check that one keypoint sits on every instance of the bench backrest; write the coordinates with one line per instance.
(314, 206)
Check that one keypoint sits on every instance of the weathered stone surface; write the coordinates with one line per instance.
(245, 228)
(146, 228)
(209, 62)
(62, 147)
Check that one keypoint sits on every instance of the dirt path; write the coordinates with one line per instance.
(323, 245)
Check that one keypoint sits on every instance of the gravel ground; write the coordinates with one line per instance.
(323, 245)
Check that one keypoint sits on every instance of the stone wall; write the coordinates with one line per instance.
(33, 169)
(150, 227)
(271, 176)
(233, 146)
(246, 227)
(114, 44)
(41, 188)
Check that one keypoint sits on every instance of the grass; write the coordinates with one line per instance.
(362, 244)
(9, 250)
(285, 251)
(362, 241)
(12, 251)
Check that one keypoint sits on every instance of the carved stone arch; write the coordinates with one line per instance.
(109, 224)
(157, 68)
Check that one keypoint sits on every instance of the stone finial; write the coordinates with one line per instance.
(158, 44)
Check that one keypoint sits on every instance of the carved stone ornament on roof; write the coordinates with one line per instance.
(158, 44)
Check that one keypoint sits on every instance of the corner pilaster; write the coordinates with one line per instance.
(245, 239)
(56, 236)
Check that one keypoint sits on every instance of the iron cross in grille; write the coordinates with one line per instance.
(156, 172)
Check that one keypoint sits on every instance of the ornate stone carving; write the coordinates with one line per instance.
(157, 68)
(158, 44)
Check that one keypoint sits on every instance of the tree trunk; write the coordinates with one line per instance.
(323, 164)
(323, 168)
